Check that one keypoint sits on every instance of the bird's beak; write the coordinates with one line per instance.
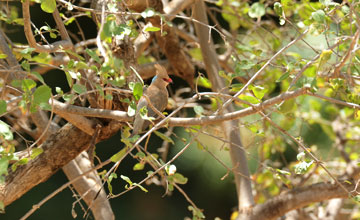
(168, 80)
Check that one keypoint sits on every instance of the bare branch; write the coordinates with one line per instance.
(298, 198)
(59, 45)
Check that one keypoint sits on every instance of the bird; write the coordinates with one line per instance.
(158, 96)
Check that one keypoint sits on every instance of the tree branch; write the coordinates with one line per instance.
(61, 108)
(56, 46)
(298, 198)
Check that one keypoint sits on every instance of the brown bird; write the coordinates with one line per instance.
(158, 96)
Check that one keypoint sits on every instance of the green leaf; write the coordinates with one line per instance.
(3, 106)
(131, 109)
(259, 91)
(283, 77)
(180, 179)
(42, 94)
(4, 163)
(199, 110)
(139, 166)
(250, 99)
(204, 82)
(318, 16)
(93, 55)
(28, 84)
(141, 187)
(138, 90)
(325, 56)
(48, 6)
(2, 56)
(38, 76)
(144, 114)
(5, 131)
(116, 157)
(36, 152)
(69, 78)
(53, 35)
(79, 89)
(127, 179)
(257, 10)
(287, 106)
(164, 137)
(278, 9)
(152, 29)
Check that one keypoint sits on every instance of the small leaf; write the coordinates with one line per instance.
(3, 106)
(4, 163)
(258, 91)
(38, 76)
(2, 56)
(180, 179)
(204, 82)
(257, 10)
(42, 94)
(28, 84)
(139, 166)
(152, 29)
(318, 16)
(249, 99)
(141, 187)
(80, 89)
(138, 90)
(131, 109)
(36, 152)
(164, 137)
(119, 155)
(53, 35)
(278, 8)
(199, 110)
(93, 55)
(127, 179)
(283, 77)
(5, 131)
(324, 57)
(48, 6)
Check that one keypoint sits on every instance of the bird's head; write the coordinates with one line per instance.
(161, 78)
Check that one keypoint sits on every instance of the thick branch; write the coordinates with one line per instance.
(59, 150)
(298, 198)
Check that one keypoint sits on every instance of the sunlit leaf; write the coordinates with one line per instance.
(138, 90)
(42, 94)
(164, 137)
(48, 6)
(257, 10)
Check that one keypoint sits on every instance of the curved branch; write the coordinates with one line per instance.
(58, 45)
(298, 198)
